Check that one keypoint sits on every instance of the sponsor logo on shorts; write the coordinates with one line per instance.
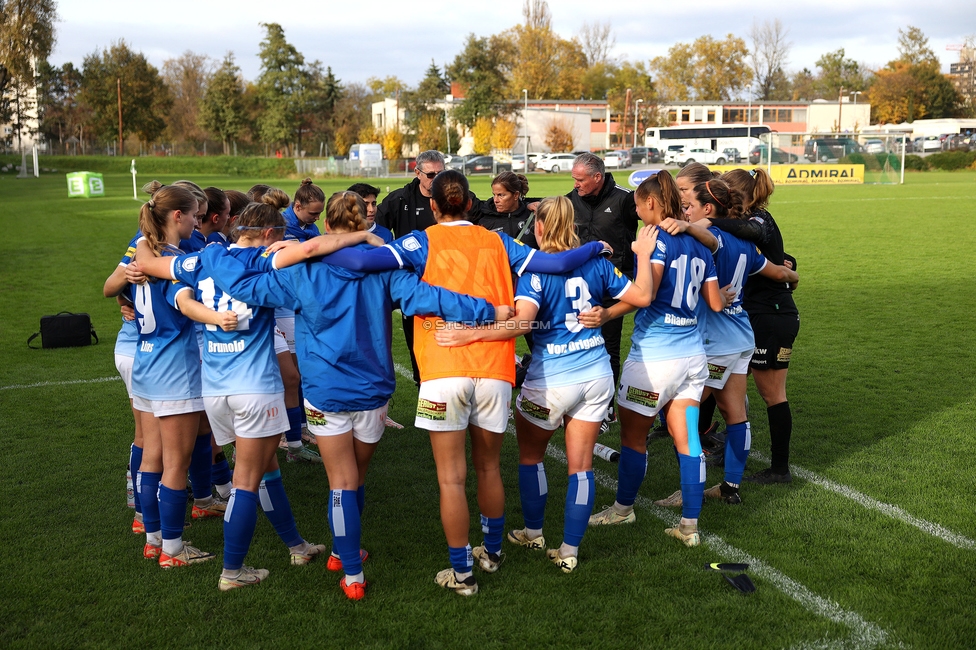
(759, 352)
(642, 397)
(533, 410)
(315, 418)
(715, 371)
(784, 354)
(431, 410)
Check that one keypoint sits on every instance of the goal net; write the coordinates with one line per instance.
(881, 154)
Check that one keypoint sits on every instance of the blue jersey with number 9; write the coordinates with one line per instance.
(668, 328)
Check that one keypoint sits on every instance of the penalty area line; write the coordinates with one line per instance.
(42, 384)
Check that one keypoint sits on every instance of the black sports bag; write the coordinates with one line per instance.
(64, 330)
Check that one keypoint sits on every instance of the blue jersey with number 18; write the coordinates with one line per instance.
(240, 362)
(668, 328)
(563, 351)
(167, 362)
(729, 331)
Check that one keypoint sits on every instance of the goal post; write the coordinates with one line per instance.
(882, 154)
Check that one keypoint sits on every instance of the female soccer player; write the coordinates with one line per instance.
(218, 214)
(166, 380)
(773, 315)
(242, 388)
(465, 388)
(301, 216)
(729, 341)
(348, 377)
(570, 382)
(666, 367)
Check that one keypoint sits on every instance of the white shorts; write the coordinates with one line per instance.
(366, 426)
(721, 367)
(124, 365)
(280, 342)
(452, 403)
(647, 386)
(162, 408)
(545, 407)
(287, 327)
(246, 416)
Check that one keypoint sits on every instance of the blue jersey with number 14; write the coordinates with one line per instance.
(563, 351)
(668, 328)
(729, 331)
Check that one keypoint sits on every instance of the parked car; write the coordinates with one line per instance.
(672, 151)
(928, 143)
(644, 155)
(958, 142)
(702, 155)
(733, 154)
(458, 162)
(518, 163)
(556, 162)
(628, 160)
(485, 165)
(405, 164)
(824, 149)
(615, 159)
(874, 146)
(758, 156)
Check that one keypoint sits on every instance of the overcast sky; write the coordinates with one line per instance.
(376, 39)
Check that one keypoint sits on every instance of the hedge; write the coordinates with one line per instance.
(231, 165)
(951, 160)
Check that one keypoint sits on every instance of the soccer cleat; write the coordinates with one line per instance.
(659, 431)
(768, 476)
(393, 424)
(247, 577)
(489, 562)
(151, 551)
(607, 517)
(302, 453)
(354, 591)
(448, 579)
(712, 438)
(217, 508)
(308, 437)
(283, 443)
(688, 539)
(725, 492)
(309, 553)
(673, 501)
(335, 564)
(521, 538)
(138, 527)
(604, 427)
(189, 555)
(566, 564)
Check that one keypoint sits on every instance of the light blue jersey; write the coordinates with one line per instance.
(342, 323)
(241, 362)
(668, 328)
(167, 361)
(128, 336)
(563, 351)
(295, 229)
(411, 250)
(729, 331)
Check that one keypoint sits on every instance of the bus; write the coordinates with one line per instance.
(718, 137)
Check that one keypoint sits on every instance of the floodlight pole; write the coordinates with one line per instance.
(636, 113)
(854, 94)
(840, 108)
(525, 130)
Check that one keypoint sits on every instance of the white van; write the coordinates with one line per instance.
(370, 155)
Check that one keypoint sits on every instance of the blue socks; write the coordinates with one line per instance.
(461, 559)
(533, 491)
(346, 529)
(579, 506)
(738, 440)
(692, 484)
(135, 462)
(240, 520)
(275, 504)
(201, 465)
(221, 475)
(294, 433)
(172, 511)
(147, 487)
(630, 474)
(493, 527)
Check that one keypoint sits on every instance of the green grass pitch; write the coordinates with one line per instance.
(871, 546)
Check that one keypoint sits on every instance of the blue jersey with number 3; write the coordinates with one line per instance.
(668, 328)
(167, 362)
(563, 351)
(240, 362)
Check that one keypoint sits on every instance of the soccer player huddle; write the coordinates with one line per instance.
(239, 319)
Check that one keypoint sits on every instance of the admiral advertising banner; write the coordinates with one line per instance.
(806, 174)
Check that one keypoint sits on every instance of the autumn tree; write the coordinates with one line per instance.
(145, 98)
(539, 60)
(597, 40)
(479, 68)
(559, 135)
(769, 57)
(350, 115)
(222, 107)
(837, 72)
(432, 132)
(26, 36)
(707, 69)
(186, 77)
(481, 134)
(504, 133)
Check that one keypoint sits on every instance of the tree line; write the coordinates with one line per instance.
(300, 107)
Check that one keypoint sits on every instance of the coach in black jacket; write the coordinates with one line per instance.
(605, 212)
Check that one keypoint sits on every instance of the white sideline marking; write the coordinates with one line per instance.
(943, 533)
(865, 634)
(882, 198)
(62, 383)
